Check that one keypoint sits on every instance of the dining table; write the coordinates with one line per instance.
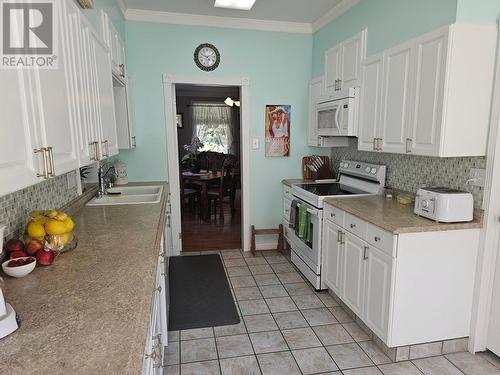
(202, 179)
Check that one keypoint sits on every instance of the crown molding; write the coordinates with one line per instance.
(122, 6)
(333, 13)
(216, 21)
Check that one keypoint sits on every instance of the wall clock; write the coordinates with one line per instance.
(207, 57)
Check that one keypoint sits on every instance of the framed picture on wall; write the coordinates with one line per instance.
(278, 130)
(179, 120)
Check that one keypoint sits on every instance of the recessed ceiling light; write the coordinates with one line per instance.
(235, 4)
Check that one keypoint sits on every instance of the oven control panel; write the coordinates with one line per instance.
(368, 171)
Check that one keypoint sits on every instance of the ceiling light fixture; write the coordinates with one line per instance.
(230, 102)
(235, 4)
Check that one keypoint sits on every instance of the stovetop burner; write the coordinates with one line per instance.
(326, 189)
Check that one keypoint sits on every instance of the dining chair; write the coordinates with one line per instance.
(192, 194)
(225, 189)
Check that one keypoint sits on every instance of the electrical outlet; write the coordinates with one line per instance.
(255, 143)
(476, 177)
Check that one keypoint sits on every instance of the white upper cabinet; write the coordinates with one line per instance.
(343, 63)
(315, 92)
(108, 138)
(370, 102)
(396, 99)
(436, 94)
(115, 44)
(51, 96)
(19, 165)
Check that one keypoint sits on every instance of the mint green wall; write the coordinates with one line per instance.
(278, 66)
(478, 11)
(113, 11)
(389, 22)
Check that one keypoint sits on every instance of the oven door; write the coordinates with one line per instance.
(308, 251)
(329, 118)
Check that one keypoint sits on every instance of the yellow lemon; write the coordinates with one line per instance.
(52, 214)
(41, 219)
(66, 238)
(61, 216)
(69, 224)
(35, 229)
(54, 227)
(36, 214)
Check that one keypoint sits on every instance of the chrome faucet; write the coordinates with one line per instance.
(102, 175)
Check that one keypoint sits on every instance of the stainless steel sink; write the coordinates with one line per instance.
(129, 195)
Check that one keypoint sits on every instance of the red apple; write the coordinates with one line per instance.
(14, 245)
(45, 257)
(33, 247)
(17, 254)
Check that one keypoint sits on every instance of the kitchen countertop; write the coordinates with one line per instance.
(88, 313)
(395, 217)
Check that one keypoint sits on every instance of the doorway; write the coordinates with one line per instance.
(208, 138)
(174, 175)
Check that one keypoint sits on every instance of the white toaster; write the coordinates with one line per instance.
(444, 204)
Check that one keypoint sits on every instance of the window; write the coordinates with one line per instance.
(213, 126)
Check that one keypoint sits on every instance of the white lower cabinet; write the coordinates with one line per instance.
(157, 334)
(333, 257)
(408, 288)
(353, 271)
(378, 274)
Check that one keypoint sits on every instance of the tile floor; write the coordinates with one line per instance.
(287, 328)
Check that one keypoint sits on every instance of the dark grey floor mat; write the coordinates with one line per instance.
(199, 293)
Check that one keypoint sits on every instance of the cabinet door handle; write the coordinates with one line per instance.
(91, 151)
(379, 148)
(377, 238)
(375, 144)
(342, 238)
(157, 289)
(96, 150)
(133, 142)
(43, 151)
(122, 68)
(339, 236)
(408, 145)
(353, 226)
(105, 148)
(365, 252)
(50, 153)
(332, 214)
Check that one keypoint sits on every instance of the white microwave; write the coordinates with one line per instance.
(337, 115)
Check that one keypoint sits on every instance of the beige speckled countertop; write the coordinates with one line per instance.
(88, 313)
(395, 217)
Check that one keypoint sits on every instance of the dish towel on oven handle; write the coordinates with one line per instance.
(303, 222)
(293, 214)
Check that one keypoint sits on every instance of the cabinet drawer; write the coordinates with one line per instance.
(381, 239)
(287, 192)
(286, 208)
(334, 214)
(355, 225)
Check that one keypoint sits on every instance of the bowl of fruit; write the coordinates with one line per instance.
(19, 267)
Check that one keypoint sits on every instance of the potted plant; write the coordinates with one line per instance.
(191, 158)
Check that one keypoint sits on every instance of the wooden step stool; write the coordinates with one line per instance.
(267, 232)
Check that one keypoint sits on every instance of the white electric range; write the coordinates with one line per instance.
(355, 179)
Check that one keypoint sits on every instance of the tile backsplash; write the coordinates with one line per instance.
(49, 194)
(410, 172)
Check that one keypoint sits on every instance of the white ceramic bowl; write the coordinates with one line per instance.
(19, 271)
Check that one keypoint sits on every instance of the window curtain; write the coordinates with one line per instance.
(213, 125)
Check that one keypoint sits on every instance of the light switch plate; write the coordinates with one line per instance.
(477, 177)
(255, 143)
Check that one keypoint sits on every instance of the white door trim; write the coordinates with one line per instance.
(169, 82)
(488, 246)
